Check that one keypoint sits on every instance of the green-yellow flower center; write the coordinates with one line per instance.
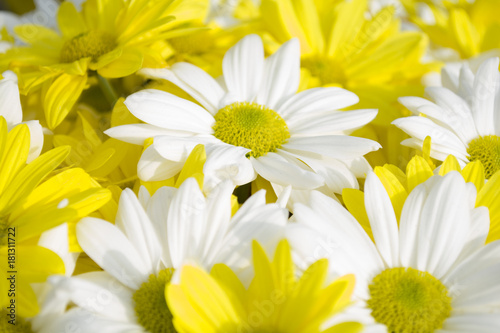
(407, 300)
(21, 325)
(196, 43)
(151, 306)
(92, 44)
(252, 126)
(325, 70)
(486, 149)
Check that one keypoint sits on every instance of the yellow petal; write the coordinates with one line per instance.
(14, 155)
(128, 63)
(473, 172)
(449, 164)
(193, 166)
(417, 172)
(61, 97)
(29, 177)
(70, 21)
(489, 196)
(354, 201)
(394, 188)
(347, 327)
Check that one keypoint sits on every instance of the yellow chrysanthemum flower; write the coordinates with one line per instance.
(107, 39)
(468, 27)
(419, 169)
(109, 161)
(371, 57)
(31, 202)
(275, 301)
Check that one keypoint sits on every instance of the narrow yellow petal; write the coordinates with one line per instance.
(14, 155)
(354, 201)
(449, 164)
(473, 172)
(394, 188)
(193, 166)
(417, 172)
(347, 327)
(489, 196)
(70, 21)
(61, 97)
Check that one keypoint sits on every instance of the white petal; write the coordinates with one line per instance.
(56, 239)
(330, 123)
(10, 102)
(136, 225)
(193, 80)
(444, 224)
(153, 167)
(341, 147)
(280, 170)
(137, 133)
(281, 75)
(421, 127)
(486, 86)
(242, 67)
(168, 111)
(336, 174)
(471, 322)
(157, 210)
(178, 149)
(186, 217)
(110, 249)
(36, 139)
(382, 220)
(218, 216)
(227, 162)
(102, 294)
(317, 100)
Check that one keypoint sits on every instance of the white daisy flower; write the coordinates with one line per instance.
(433, 273)
(151, 238)
(462, 117)
(252, 122)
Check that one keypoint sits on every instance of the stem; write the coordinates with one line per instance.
(107, 90)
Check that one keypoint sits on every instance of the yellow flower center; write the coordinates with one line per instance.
(325, 69)
(252, 126)
(197, 43)
(92, 44)
(407, 300)
(151, 306)
(486, 149)
(21, 325)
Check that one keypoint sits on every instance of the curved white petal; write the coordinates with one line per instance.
(138, 133)
(136, 225)
(330, 123)
(153, 167)
(341, 147)
(242, 66)
(382, 220)
(278, 169)
(193, 80)
(10, 102)
(486, 90)
(281, 75)
(186, 217)
(36, 139)
(317, 100)
(110, 249)
(168, 111)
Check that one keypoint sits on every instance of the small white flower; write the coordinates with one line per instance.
(152, 238)
(431, 273)
(253, 122)
(462, 117)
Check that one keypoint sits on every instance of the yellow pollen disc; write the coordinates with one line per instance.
(252, 126)
(151, 306)
(21, 325)
(326, 70)
(92, 44)
(486, 149)
(197, 43)
(407, 300)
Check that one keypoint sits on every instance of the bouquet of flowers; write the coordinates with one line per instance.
(250, 166)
